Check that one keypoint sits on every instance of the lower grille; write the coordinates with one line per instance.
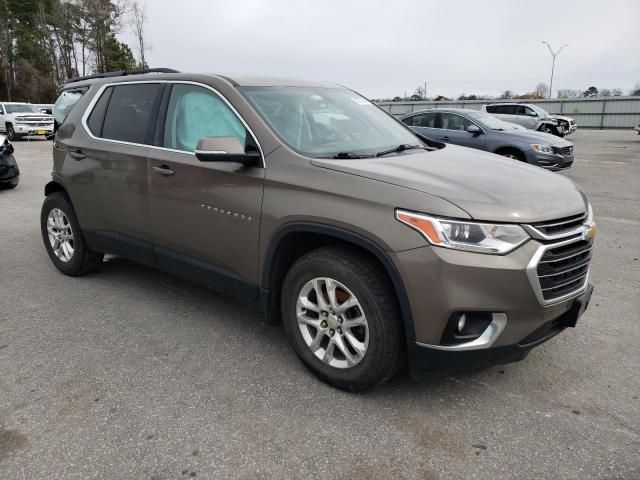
(563, 270)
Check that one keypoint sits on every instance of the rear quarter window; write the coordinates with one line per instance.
(96, 118)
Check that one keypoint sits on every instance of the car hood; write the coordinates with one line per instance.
(562, 117)
(487, 186)
(534, 136)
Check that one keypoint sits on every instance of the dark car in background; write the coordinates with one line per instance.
(471, 128)
(9, 171)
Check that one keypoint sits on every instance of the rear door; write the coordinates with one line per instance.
(106, 174)
(205, 216)
(424, 123)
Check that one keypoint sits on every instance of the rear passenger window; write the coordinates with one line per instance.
(195, 113)
(493, 109)
(96, 119)
(129, 111)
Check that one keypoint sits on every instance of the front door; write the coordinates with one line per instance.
(454, 130)
(205, 216)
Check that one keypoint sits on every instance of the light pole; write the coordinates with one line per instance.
(553, 63)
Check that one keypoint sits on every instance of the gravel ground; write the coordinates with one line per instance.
(130, 373)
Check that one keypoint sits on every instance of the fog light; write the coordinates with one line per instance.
(465, 327)
(462, 322)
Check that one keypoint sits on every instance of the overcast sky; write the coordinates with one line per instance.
(386, 48)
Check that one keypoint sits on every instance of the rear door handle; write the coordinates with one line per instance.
(163, 170)
(77, 155)
(444, 138)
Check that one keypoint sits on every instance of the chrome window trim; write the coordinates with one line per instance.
(98, 94)
(532, 274)
(488, 337)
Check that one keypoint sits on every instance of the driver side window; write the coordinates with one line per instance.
(451, 121)
(194, 113)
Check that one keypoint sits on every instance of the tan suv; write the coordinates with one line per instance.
(373, 245)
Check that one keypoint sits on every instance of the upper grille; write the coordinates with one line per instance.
(564, 151)
(560, 225)
(563, 270)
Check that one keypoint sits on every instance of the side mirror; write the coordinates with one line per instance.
(225, 149)
(5, 146)
(474, 129)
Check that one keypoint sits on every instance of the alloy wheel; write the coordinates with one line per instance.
(60, 235)
(332, 322)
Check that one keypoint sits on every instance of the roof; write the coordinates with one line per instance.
(169, 74)
(444, 109)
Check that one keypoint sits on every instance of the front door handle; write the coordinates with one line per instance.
(77, 155)
(163, 170)
(444, 138)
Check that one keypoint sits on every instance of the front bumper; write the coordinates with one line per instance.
(550, 161)
(441, 282)
(27, 129)
(426, 359)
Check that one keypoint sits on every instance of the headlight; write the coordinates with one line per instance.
(542, 148)
(476, 237)
(589, 219)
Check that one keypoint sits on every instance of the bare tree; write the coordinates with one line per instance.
(506, 94)
(568, 93)
(616, 92)
(542, 90)
(138, 20)
(420, 92)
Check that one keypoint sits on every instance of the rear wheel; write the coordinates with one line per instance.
(341, 318)
(63, 238)
(10, 132)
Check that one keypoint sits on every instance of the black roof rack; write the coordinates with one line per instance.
(122, 73)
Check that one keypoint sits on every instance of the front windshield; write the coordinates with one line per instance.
(21, 108)
(490, 122)
(540, 111)
(323, 122)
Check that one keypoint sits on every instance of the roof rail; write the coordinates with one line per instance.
(122, 73)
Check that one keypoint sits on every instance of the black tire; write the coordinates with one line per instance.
(83, 260)
(10, 132)
(512, 153)
(355, 270)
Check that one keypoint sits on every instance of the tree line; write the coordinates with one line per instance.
(45, 42)
(541, 91)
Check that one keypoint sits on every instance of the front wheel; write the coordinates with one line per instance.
(63, 238)
(342, 319)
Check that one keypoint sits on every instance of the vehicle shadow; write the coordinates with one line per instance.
(246, 321)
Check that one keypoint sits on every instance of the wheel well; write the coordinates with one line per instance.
(293, 245)
(52, 187)
(505, 150)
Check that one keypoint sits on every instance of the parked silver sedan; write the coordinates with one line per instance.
(471, 128)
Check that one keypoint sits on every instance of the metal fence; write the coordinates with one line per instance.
(607, 112)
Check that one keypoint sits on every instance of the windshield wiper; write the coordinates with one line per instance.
(350, 155)
(400, 148)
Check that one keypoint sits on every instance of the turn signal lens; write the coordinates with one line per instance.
(476, 237)
(420, 223)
